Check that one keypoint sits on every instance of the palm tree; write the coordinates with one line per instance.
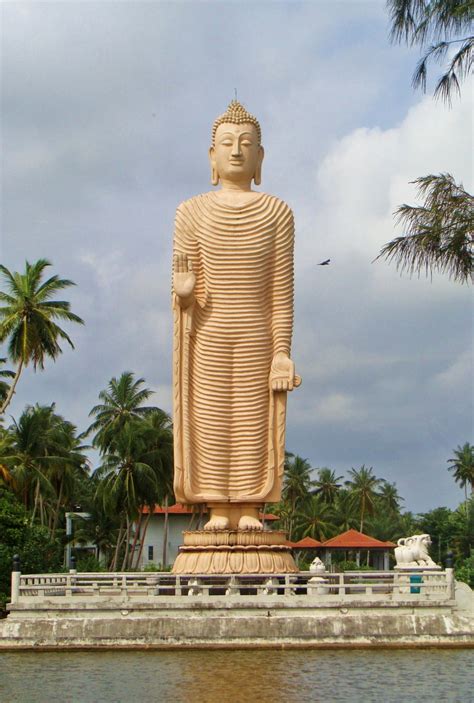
(389, 499)
(327, 485)
(436, 24)
(6, 449)
(43, 457)
(157, 431)
(363, 491)
(463, 466)
(4, 386)
(439, 234)
(315, 519)
(99, 528)
(344, 511)
(122, 402)
(125, 482)
(28, 318)
(297, 483)
(70, 467)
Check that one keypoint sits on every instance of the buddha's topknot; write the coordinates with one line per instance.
(236, 114)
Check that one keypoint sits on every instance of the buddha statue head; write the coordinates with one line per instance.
(236, 153)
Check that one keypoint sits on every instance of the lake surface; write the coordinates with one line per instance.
(238, 676)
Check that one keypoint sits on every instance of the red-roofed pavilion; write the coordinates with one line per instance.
(351, 543)
(305, 543)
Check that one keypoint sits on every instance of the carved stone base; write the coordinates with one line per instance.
(234, 552)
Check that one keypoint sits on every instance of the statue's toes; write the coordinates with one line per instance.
(249, 523)
(221, 523)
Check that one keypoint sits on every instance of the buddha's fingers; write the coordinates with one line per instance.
(177, 264)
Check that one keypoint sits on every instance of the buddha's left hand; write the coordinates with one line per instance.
(282, 373)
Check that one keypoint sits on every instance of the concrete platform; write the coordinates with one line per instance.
(241, 624)
(77, 612)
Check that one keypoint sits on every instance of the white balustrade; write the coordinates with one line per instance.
(354, 586)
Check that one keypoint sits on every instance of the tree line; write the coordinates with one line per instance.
(318, 503)
(45, 470)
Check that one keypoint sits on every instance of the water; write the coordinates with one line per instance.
(238, 676)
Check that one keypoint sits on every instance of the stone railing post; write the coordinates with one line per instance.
(16, 574)
(450, 583)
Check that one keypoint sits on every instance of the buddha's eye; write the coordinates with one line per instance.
(247, 142)
(226, 142)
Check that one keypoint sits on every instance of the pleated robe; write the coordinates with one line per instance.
(229, 427)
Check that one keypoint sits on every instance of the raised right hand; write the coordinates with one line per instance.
(184, 279)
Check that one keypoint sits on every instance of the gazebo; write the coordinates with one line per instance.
(303, 545)
(352, 543)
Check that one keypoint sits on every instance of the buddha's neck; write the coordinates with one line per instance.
(236, 187)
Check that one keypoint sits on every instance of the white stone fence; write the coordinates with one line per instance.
(418, 586)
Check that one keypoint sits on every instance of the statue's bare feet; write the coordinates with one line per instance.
(219, 519)
(217, 523)
(249, 522)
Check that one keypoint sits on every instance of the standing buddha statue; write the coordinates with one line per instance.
(233, 318)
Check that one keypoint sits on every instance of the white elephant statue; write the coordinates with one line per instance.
(413, 551)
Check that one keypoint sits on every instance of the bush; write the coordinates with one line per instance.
(156, 567)
(89, 563)
(38, 552)
(464, 571)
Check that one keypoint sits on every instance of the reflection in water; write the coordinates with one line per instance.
(237, 676)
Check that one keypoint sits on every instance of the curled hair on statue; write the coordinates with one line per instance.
(236, 114)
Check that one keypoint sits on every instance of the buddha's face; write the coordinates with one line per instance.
(236, 154)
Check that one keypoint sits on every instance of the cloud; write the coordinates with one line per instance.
(105, 129)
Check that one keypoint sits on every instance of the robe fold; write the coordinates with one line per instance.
(229, 426)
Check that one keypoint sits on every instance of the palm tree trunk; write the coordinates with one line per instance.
(362, 510)
(41, 504)
(135, 539)
(142, 540)
(113, 565)
(35, 506)
(127, 545)
(11, 390)
(58, 505)
(165, 534)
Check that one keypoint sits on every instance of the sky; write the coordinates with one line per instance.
(106, 112)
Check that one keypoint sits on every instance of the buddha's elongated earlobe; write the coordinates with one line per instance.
(258, 168)
(214, 175)
(258, 174)
(214, 171)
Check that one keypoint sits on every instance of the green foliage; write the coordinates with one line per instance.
(4, 385)
(297, 483)
(156, 567)
(327, 484)
(44, 461)
(28, 318)
(363, 485)
(89, 563)
(463, 466)
(450, 530)
(464, 570)
(38, 552)
(438, 234)
(349, 565)
(122, 402)
(435, 26)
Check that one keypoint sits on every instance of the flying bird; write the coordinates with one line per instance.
(324, 263)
